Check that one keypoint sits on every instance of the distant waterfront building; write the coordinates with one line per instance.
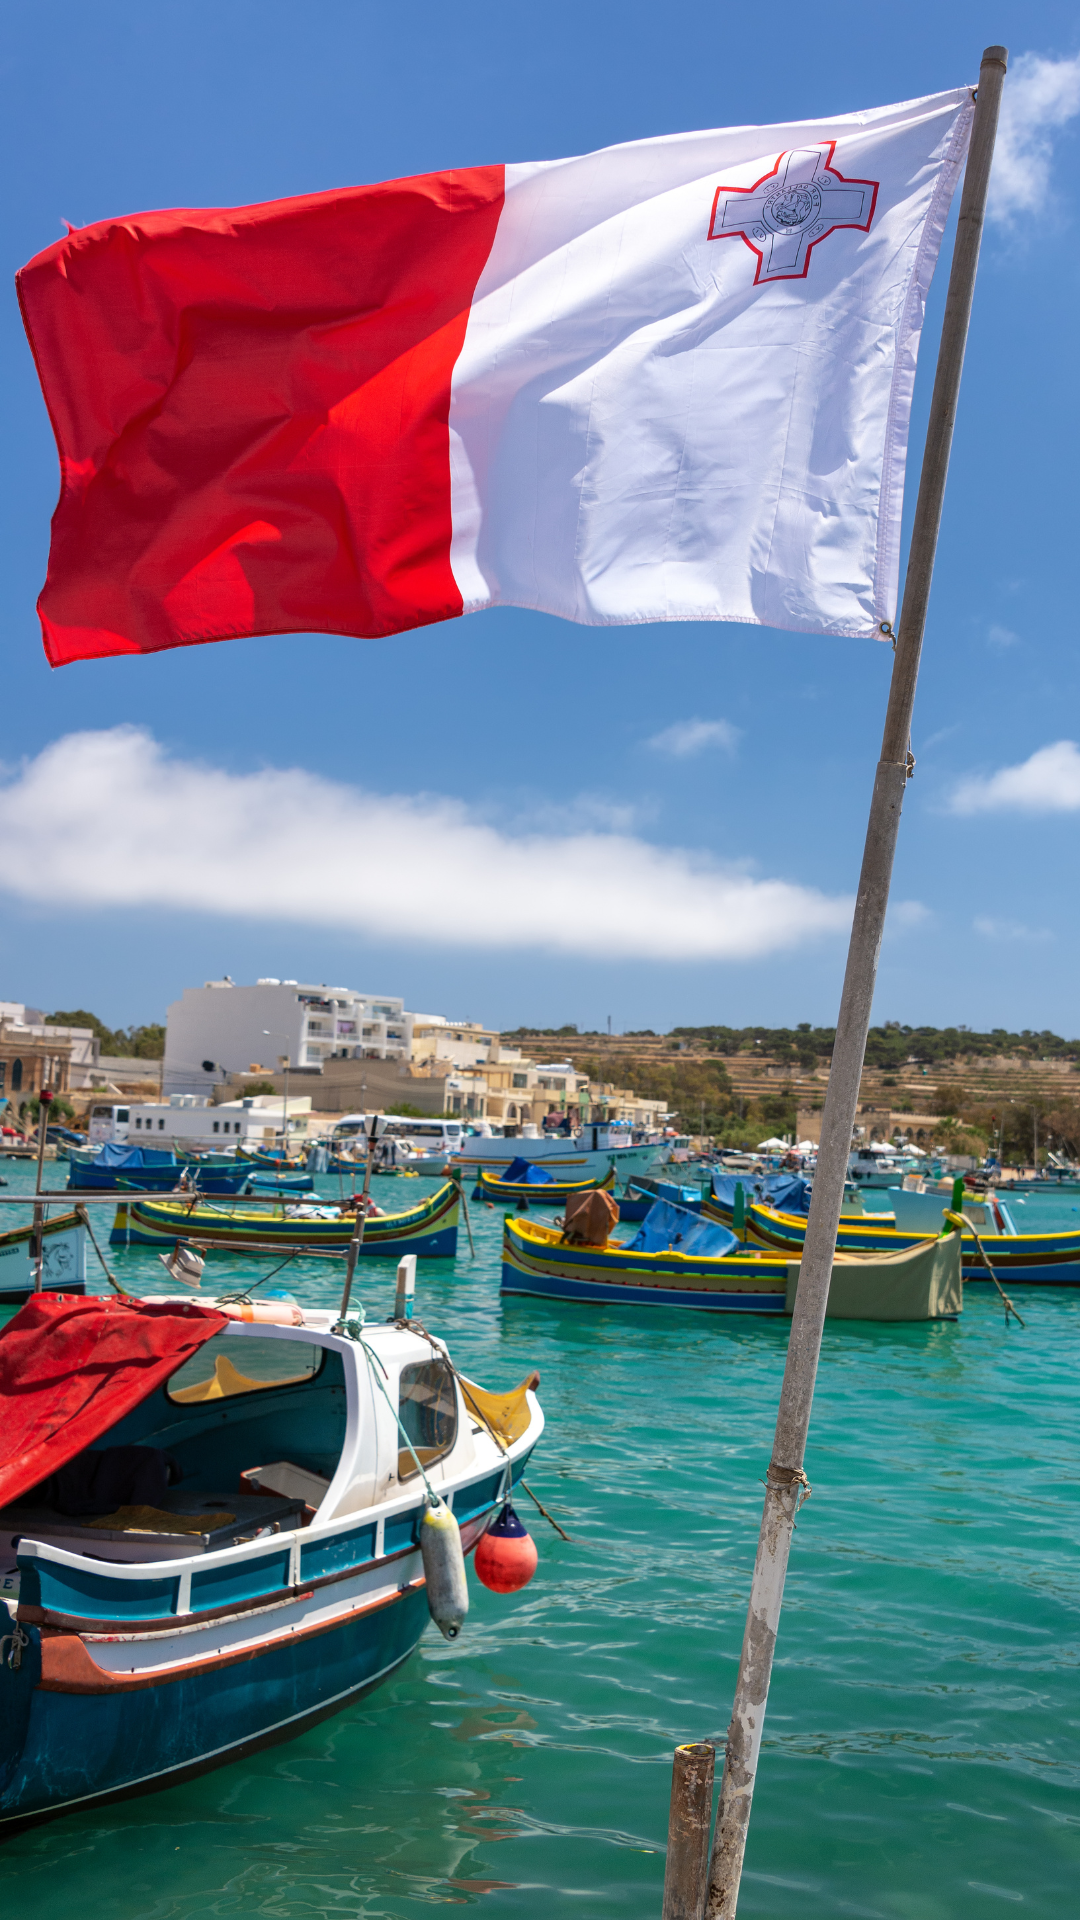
(192, 1119)
(223, 1028)
(463, 1042)
(36, 1054)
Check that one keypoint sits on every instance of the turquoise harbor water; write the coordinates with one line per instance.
(922, 1750)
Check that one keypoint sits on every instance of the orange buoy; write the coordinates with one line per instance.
(506, 1556)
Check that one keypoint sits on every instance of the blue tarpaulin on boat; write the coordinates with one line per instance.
(785, 1191)
(116, 1153)
(665, 1226)
(678, 1196)
(524, 1170)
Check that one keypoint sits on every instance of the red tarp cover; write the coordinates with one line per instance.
(71, 1368)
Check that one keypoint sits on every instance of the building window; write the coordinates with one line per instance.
(520, 1080)
(3, 1074)
(16, 1075)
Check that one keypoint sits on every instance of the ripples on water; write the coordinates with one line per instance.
(922, 1750)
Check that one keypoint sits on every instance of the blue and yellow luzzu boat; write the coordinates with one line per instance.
(1050, 1258)
(272, 1162)
(430, 1228)
(537, 1260)
(275, 1575)
(544, 1192)
(725, 1217)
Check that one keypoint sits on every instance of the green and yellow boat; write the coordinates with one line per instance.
(538, 1192)
(428, 1229)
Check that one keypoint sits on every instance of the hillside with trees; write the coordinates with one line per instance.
(133, 1043)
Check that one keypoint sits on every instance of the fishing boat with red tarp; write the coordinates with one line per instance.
(215, 1526)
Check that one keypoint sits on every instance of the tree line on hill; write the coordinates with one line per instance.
(888, 1046)
(132, 1043)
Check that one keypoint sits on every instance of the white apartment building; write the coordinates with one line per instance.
(223, 1028)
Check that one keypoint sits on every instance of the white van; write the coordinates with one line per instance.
(108, 1125)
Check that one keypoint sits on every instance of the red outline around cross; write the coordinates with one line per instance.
(850, 226)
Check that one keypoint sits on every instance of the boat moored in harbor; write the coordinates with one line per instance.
(536, 1186)
(594, 1150)
(429, 1228)
(63, 1259)
(227, 1535)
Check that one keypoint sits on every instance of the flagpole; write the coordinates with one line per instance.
(786, 1484)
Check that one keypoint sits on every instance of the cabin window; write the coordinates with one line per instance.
(138, 1123)
(161, 1126)
(123, 1115)
(16, 1075)
(216, 1126)
(226, 1366)
(427, 1409)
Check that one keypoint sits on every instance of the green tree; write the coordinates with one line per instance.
(138, 1043)
(60, 1109)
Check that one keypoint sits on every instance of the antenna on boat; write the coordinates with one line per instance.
(357, 1240)
(405, 1297)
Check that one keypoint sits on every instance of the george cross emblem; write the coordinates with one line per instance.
(784, 214)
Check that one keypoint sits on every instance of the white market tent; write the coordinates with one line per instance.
(773, 1146)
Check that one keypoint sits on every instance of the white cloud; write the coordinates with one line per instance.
(1003, 637)
(1049, 782)
(943, 733)
(1009, 930)
(691, 736)
(1040, 95)
(108, 819)
(909, 913)
(578, 814)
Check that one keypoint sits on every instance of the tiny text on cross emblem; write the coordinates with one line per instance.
(783, 216)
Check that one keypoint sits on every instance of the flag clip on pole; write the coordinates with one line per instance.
(786, 1483)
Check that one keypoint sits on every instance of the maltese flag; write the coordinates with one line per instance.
(667, 381)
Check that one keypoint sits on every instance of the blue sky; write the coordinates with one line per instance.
(451, 766)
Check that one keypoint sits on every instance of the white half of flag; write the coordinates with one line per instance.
(685, 387)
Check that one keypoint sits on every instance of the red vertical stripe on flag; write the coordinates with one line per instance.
(252, 413)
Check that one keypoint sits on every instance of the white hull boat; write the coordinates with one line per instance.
(587, 1155)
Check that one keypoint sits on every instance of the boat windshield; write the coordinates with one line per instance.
(428, 1414)
(225, 1366)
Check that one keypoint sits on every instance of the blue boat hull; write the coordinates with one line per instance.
(157, 1180)
(60, 1750)
(551, 1286)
